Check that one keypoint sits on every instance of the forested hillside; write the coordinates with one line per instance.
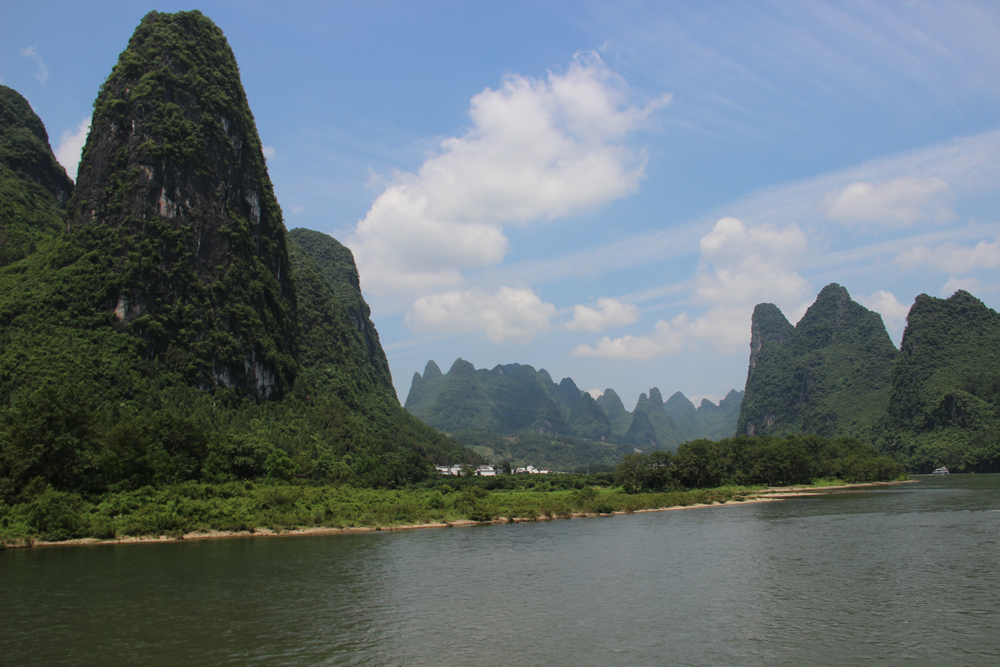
(934, 402)
(163, 327)
(828, 375)
(944, 405)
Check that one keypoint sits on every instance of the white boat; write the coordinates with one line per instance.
(941, 471)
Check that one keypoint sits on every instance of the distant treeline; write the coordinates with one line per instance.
(748, 461)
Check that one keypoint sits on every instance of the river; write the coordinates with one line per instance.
(904, 575)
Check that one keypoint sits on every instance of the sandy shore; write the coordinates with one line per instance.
(772, 494)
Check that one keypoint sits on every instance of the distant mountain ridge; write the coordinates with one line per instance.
(515, 398)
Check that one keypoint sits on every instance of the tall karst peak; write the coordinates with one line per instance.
(828, 375)
(173, 193)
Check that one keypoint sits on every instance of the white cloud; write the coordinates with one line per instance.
(885, 304)
(43, 70)
(898, 202)
(508, 315)
(595, 393)
(974, 286)
(537, 150)
(268, 152)
(297, 209)
(610, 313)
(952, 258)
(71, 146)
(740, 267)
(667, 338)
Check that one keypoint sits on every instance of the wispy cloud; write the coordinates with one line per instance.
(952, 258)
(42, 74)
(900, 202)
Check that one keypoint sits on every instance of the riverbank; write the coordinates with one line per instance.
(466, 509)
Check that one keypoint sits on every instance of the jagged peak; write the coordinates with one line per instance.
(678, 398)
(769, 324)
(655, 397)
(431, 370)
(461, 367)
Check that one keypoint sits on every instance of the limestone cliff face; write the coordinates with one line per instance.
(828, 375)
(173, 190)
(33, 185)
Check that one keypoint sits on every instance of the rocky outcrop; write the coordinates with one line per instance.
(173, 191)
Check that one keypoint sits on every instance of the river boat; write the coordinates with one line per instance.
(941, 471)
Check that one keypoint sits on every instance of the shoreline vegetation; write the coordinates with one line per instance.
(200, 512)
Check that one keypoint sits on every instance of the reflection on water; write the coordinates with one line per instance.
(907, 575)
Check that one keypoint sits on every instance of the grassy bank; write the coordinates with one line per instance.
(191, 507)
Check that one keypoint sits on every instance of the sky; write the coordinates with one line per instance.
(603, 190)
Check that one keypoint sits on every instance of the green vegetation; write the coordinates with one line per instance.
(934, 402)
(138, 347)
(248, 506)
(536, 421)
(174, 203)
(828, 375)
(33, 186)
(750, 461)
(558, 452)
(944, 408)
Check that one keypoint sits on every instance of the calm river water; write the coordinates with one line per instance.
(902, 576)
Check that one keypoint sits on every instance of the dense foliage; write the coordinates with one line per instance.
(944, 407)
(33, 186)
(745, 460)
(191, 507)
(174, 200)
(116, 335)
(828, 375)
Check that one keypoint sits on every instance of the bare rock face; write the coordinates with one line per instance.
(173, 194)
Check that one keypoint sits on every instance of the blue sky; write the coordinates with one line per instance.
(603, 190)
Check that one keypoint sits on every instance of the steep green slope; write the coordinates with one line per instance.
(828, 375)
(33, 186)
(944, 406)
(587, 420)
(173, 194)
(618, 416)
(651, 425)
(336, 263)
(137, 348)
